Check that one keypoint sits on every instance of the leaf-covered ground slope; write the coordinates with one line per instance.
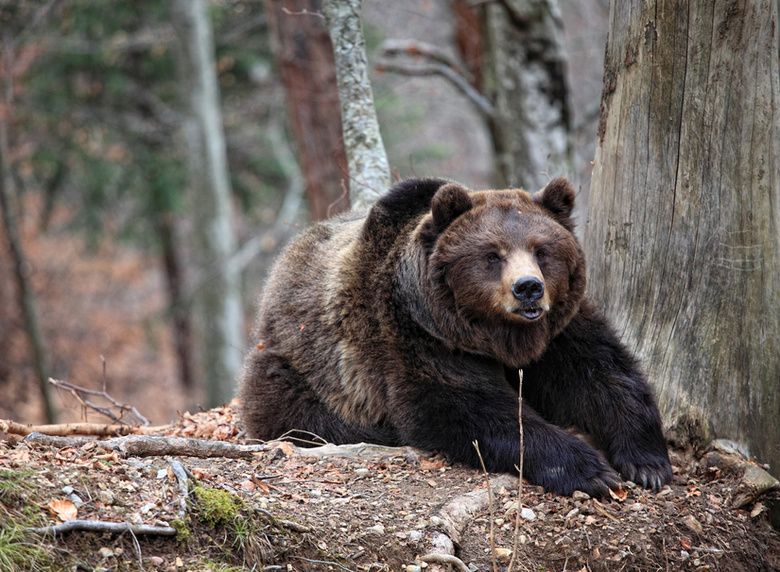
(361, 509)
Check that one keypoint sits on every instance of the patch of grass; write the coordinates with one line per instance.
(20, 550)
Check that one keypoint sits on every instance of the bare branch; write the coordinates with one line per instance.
(483, 105)
(414, 48)
(110, 527)
(123, 408)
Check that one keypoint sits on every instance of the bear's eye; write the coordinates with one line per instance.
(493, 257)
(541, 254)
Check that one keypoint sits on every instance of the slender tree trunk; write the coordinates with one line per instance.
(218, 297)
(24, 288)
(180, 316)
(682, 238)
(527, 83)
(369, 169)
(304, 55)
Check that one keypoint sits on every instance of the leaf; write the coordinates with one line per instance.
(65, 510)
(619, 495)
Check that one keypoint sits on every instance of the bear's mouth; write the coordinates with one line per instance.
(531, 313)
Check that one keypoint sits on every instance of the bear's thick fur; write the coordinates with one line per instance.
(408, 325)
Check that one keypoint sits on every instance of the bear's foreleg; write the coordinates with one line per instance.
(277, 402)
(587, 379)
(449, 419)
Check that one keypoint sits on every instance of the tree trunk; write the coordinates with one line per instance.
(218, 296)
(304, 55)
(527, 82)
(369, 170)
(682, 235)
(24, 288)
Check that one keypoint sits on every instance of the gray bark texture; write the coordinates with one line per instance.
(527, 77)
(218, 297)
(682, 235)
(369, 170)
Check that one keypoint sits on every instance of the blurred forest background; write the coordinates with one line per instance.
(98, 191)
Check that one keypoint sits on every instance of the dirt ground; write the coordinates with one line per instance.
(378, 510)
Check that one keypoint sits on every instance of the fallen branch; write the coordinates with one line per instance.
(67, 429)
(153, 446)
(110, 527)
(158, 446)
(457, 513)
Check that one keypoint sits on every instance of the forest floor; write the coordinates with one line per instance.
(360, 508)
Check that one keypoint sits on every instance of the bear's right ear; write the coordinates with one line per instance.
(449, 202)
(558, 198)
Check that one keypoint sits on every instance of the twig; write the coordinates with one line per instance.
(490, 507)
(324, 562)
(180, 472)
(602, 511)
(77, 391)
(110, 527)
(520, 472)
(445, 559)
(282, 523)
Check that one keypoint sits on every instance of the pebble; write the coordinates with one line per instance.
(377, 529)
(105, 552)
(528, 514)
(580, 496)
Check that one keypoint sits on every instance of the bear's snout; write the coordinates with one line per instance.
(528, 289)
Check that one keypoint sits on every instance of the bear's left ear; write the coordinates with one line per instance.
(558, 198)
(449, 202)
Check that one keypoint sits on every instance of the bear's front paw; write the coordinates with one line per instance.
(651, 471)
(587, 471)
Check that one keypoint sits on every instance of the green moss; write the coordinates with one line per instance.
(217, 506)
(183, 530)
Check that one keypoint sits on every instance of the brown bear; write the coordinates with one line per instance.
(407, 325)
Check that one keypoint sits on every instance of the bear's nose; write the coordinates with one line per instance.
(528, 289)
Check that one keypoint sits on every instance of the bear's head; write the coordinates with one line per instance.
(505, 270)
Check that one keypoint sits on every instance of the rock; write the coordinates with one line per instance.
(528, 514)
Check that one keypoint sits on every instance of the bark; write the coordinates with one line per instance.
(304, 56)
(526, 80)
(369, 170)
(218, 297)
(8, 212)
(682, 235)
